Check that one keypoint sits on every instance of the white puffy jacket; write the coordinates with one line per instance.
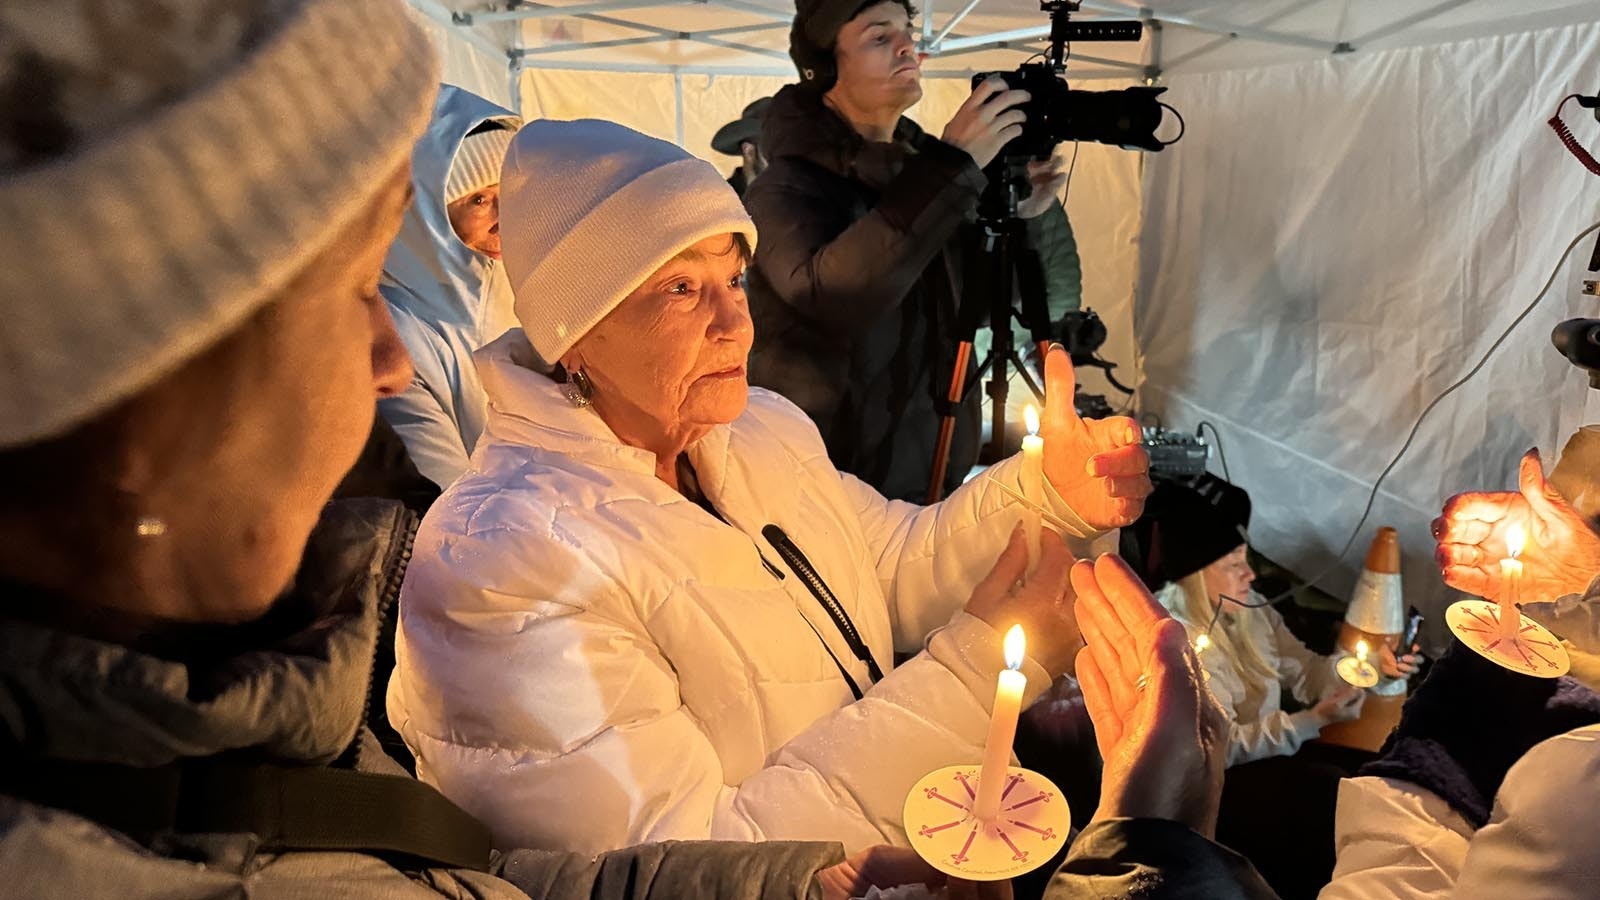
(588, 660)
(1398, 840)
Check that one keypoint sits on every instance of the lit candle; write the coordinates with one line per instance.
(1511, 583)
(1033, 484)
(1002, 728)
(1361, 652)
(1202, 642)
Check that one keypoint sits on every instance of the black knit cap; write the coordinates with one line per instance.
(816, 28)
(1186, 528)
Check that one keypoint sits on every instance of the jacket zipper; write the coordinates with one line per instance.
(394, 572)
(796, 560)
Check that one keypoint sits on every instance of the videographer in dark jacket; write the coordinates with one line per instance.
(857, 278)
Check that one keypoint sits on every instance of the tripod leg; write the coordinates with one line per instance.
(947, 424)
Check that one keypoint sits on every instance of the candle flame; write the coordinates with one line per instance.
(1202, 642)
(1362, 650)
(1016, 647)
(1031, 416)
(1516, 539)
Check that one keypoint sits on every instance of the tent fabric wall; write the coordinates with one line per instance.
(1334, 243)
(466, 66)
(1103, 202)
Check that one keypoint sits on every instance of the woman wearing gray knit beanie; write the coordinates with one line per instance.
(652, 608)
(196, 197)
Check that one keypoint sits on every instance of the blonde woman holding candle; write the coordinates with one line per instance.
(1282, 783)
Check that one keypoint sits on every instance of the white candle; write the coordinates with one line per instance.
(1511, 584)
(1002, 728)
(1033, 485)
(1361, 651)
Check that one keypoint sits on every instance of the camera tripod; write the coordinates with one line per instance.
(996, 264)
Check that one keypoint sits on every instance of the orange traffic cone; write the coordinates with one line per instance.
(1376, 614)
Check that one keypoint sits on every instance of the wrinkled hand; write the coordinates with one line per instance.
(1163, 737)
(1042, 605)
(1401, 667)
(1562, 554)
(1098, 466)
(987, 121)
(1343, 705)
(882, 867)
(1048, 178)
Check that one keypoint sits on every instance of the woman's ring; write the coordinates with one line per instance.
(1139, 685)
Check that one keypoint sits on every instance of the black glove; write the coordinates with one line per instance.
(1470, 721)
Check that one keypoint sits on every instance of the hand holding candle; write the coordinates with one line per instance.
(1002, 727)
(1473, 533)
(1482, 532)
(1098, 466)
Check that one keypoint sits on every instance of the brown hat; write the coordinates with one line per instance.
(746, 129)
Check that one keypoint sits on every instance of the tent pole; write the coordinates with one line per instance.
(516, 89)
(1202, 24)
(1225, 40)
(1400, 25)
(951, 25)
(677, 98)
(1152, 72)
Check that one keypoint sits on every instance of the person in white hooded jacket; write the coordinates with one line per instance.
(1490, 786)
(444, 281)
(653, 609)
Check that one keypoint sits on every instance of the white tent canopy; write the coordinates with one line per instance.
(1365, 197)
(750, 37)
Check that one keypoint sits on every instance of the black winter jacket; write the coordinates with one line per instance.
(855, 287)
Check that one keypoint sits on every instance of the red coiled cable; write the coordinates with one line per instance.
(1570, 140)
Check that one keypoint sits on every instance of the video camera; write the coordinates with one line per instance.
(1055, 113)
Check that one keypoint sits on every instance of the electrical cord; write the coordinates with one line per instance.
(1372, 496)
(1201, 430)
(1217, 612)
(1066, 189)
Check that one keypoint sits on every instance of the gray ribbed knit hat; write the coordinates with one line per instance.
(588, 209)
(168, 166)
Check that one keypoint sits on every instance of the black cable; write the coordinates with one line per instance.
(1217, 612)
(1201, 430)
(1182, 125)
(1066, 190)
(1372, 497)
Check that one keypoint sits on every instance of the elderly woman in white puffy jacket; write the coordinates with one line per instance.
(653, 609)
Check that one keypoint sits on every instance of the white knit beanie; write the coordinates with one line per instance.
(180, 164)
(477, 163)
(588, 209)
